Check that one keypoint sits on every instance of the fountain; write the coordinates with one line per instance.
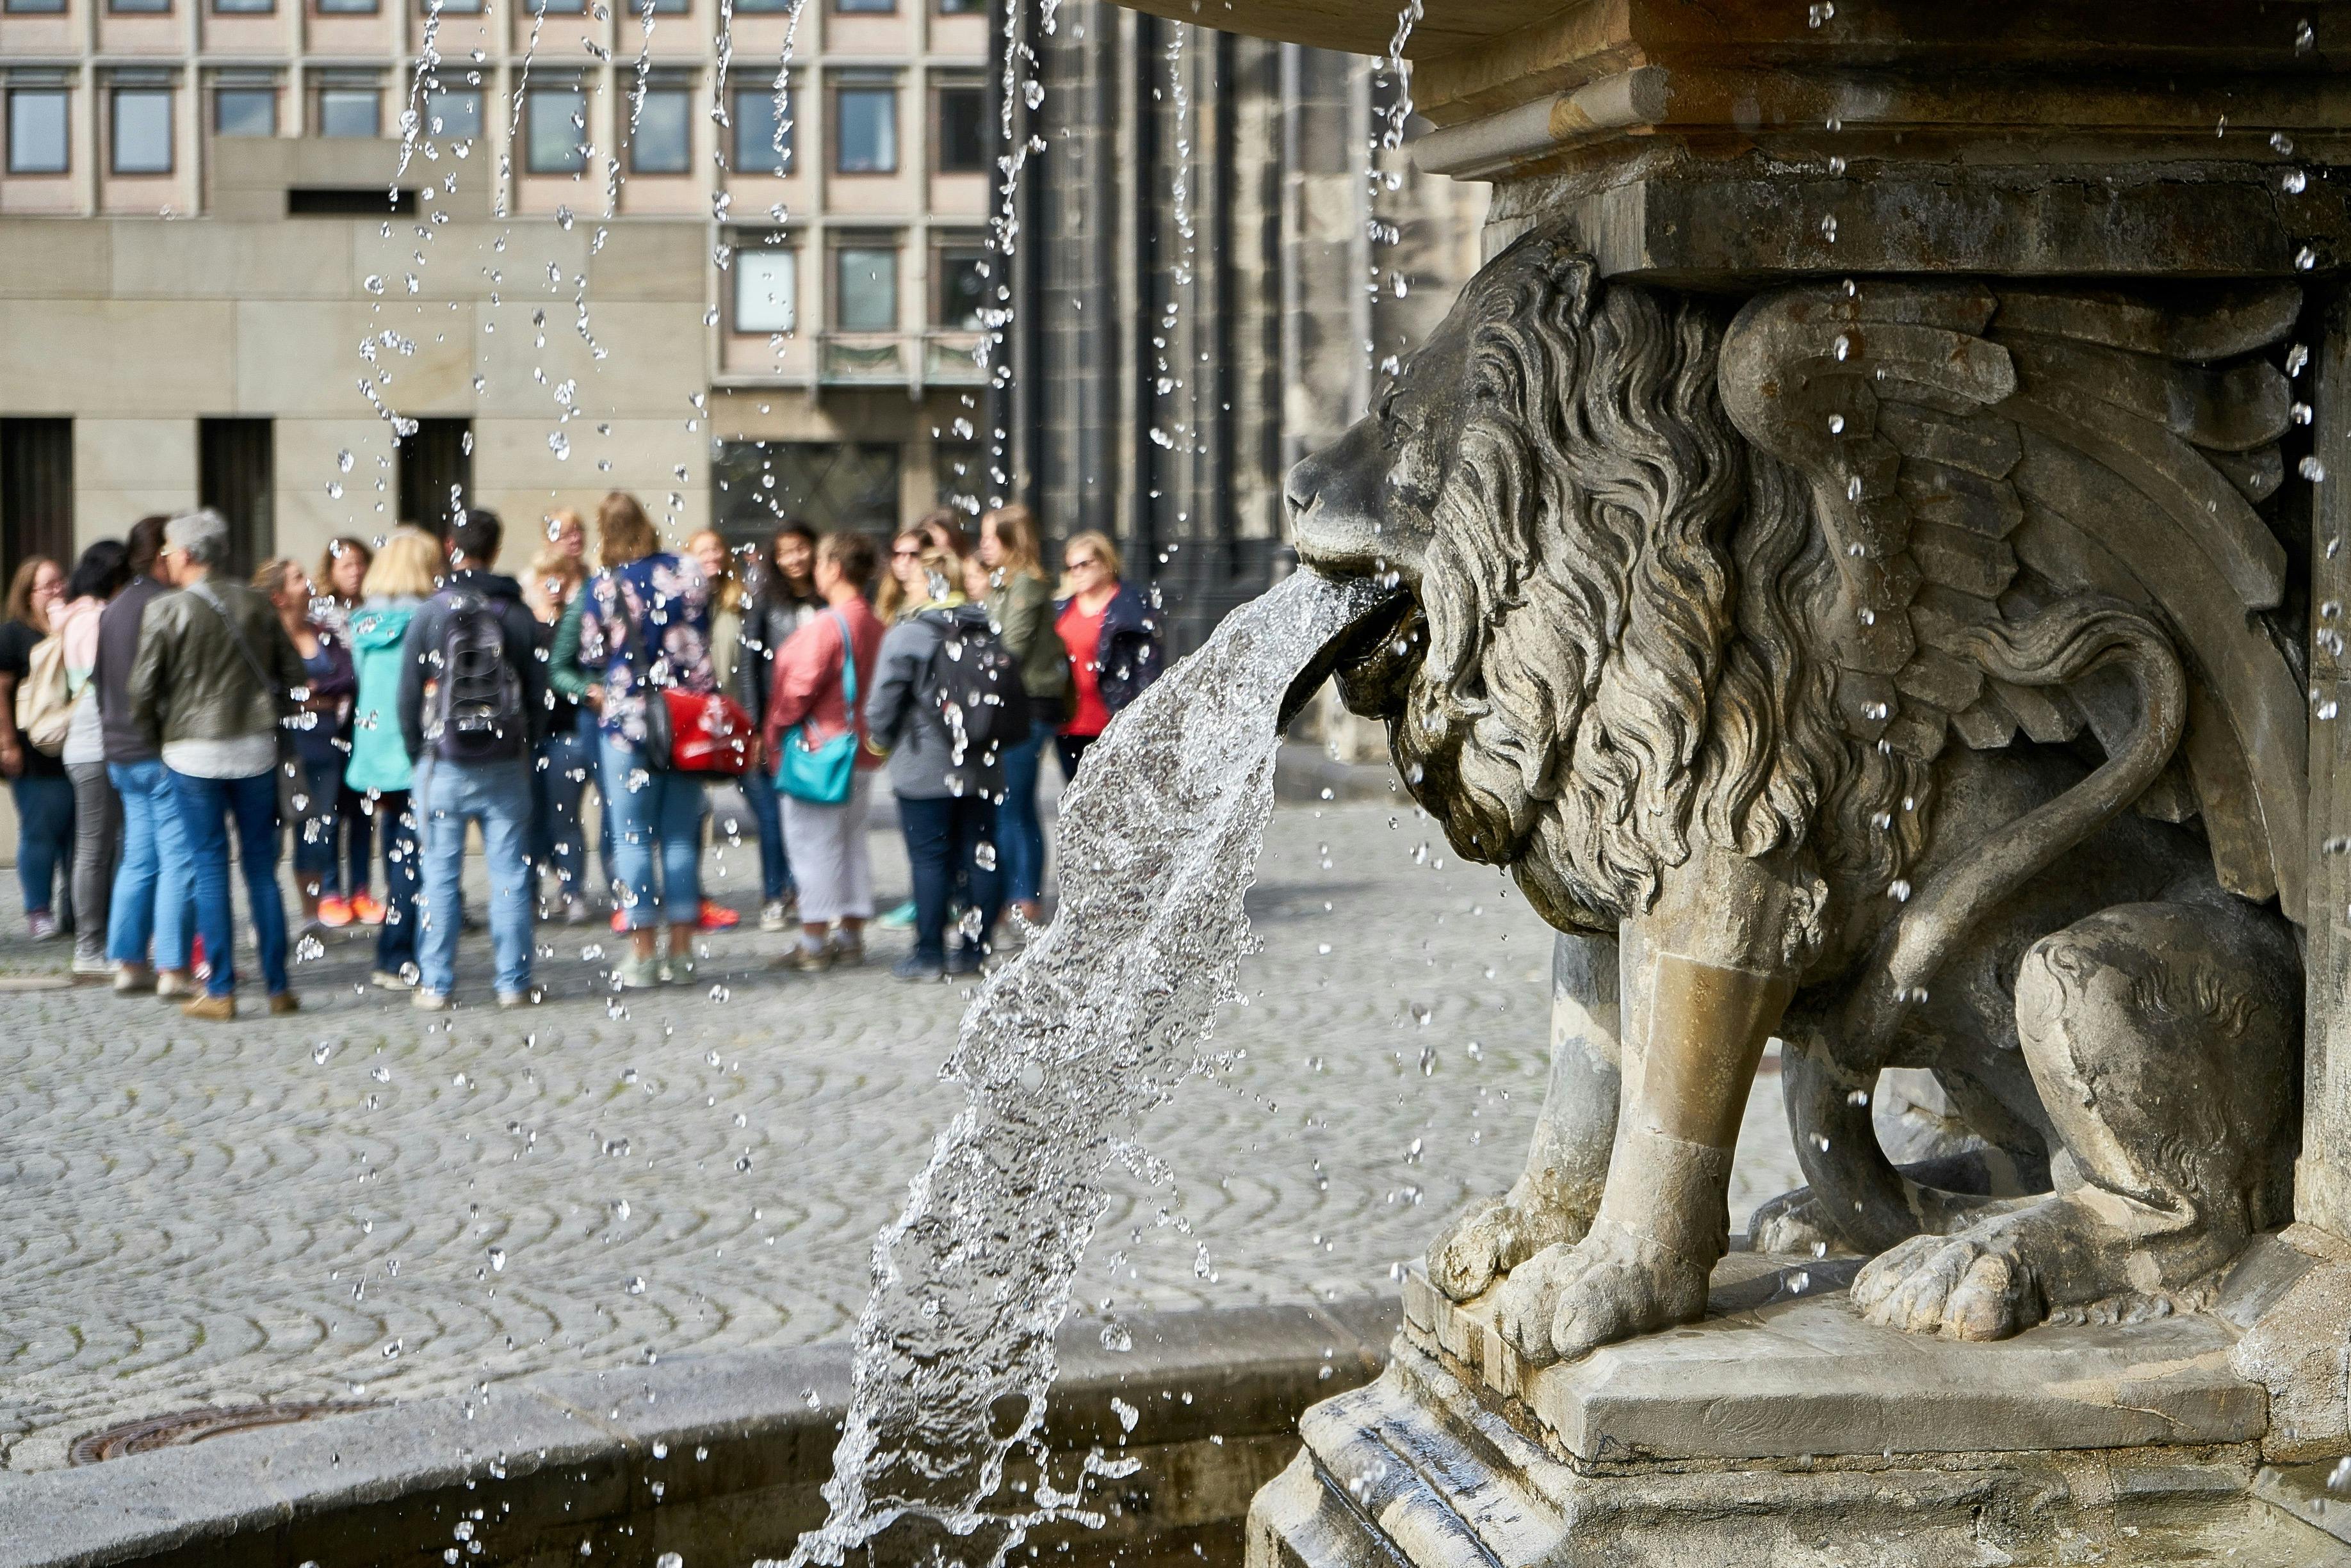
(1874, 583)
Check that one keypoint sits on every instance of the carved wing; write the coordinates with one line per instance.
(1978, 452)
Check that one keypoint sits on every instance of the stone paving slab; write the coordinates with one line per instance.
(362, 1201)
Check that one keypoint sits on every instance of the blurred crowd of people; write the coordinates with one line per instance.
(160, 721)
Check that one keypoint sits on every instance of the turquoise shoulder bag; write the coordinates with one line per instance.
(824, 773)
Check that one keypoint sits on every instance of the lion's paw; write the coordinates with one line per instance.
(1566, 1301)
(1792, 1223)
(1968, 1286)
(1494, 1236)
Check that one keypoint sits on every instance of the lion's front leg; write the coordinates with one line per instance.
(1664, 1219)
(1553, 1201)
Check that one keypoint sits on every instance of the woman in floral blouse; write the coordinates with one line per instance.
(645, 623)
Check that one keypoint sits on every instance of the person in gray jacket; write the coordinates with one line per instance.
(947, 799)
(214, 676)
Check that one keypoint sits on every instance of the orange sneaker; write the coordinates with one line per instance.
(334, 912)
(718, 917)
(366, 910)
(620, 920)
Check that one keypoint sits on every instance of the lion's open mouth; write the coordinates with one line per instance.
(1378, 657)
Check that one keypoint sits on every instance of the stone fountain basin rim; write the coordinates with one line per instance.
(1249, 1370)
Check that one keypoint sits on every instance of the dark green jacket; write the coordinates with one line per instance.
(1022, 609)
(189, 682)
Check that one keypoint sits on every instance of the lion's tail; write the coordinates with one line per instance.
(1830, 1073)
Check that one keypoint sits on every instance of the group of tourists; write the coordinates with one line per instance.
(159, 719)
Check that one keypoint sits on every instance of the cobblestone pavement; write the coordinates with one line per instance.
(362, 1201)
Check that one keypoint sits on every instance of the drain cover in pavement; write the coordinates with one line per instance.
(177, 1429)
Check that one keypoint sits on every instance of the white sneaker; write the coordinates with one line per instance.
(519, 998)
(425, 1000)
(774, 916)
(131, 979)
(387, 980)
(171, 987)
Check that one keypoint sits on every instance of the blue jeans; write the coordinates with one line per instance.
(208, 808)
(314, 835)
(45, 820)
(1019, 836)
(942, 840)
(496, 795)
(355, 832)
(768, 817)
(660, 817)
(155, 883)
(558, 841)
(395, 939)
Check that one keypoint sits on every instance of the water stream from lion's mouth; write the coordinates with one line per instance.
(1061, 1055)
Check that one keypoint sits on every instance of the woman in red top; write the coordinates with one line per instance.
(827, 843)
(1112, 638)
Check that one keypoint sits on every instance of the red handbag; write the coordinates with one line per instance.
(708, 732)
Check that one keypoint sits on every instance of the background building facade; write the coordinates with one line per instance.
(602, 267)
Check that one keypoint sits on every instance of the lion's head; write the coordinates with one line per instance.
(1610, 656)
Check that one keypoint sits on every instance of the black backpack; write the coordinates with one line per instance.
(975, 682)
(478, 708)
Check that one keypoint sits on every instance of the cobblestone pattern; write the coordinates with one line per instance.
(366, 1202)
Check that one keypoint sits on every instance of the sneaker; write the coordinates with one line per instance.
(134, 979)
(173, 985)
(914, 966)
(334, 913)
(678, 970)
(897, 920)
(283, 1002)
(620, 920)
(41, 924)
(425, 1000)
(849, 952)
(385, 980)
(966, 960)
(219, 1009)
(575, 910)
(366, 910)
(805, 958)
(638, 973)
(518, 998)
(718, 917)
(91, 963)
(774, 916)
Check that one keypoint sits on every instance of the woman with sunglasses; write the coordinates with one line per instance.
(1112, 635)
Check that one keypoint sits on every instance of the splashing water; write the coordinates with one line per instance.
(1060, 1057)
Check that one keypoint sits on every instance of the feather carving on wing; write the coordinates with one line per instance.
(1978, 452)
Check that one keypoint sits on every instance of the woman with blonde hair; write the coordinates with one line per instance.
(1021, 606)
(338, 587)
(562, 772)
(37, 779)
(644, 628)
(904, 585)
(405, 572)
(1112, 637)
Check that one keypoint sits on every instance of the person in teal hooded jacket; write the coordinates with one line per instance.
(404, 575)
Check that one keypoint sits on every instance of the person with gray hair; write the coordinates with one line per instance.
(214, 676)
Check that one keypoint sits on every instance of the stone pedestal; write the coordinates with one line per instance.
(1782, 1430)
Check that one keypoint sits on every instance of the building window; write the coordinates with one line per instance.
(962, 275)
(562, 7)
(963, 129)
(556, 119)
(139, 8)
(244, 8)
(436, 472)
(452, 7)
(34, 7)
(755, 141)
(865, 129)
(36, 488)
(866, 288)
(38, 139)
(453, 113)
(963, 7)
(663, 141)
(766, 289)
(236, 462)
(346, 7)
(245, 111)
(351, 111)
(864, 7)
(143, 130)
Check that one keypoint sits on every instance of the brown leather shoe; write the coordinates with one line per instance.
(219, 1009)
(285, 1002)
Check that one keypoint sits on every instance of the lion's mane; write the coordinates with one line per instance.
(1625, 603)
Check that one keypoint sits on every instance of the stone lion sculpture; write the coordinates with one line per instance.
(1896, 669)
